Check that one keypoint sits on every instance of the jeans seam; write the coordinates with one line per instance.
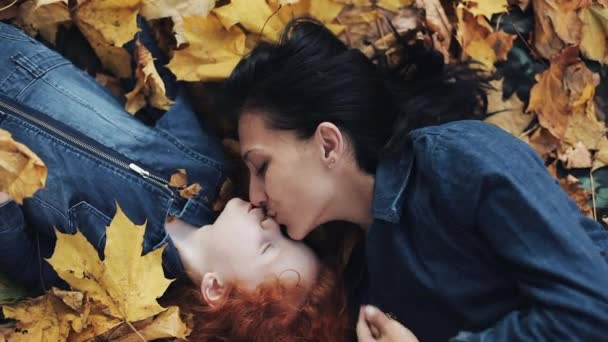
(85, 104)
(195, 155)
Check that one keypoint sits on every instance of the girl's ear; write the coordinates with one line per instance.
(212, 288)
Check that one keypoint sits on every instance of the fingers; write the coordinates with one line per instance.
(364, 333)
(378, 322)
(4, 197)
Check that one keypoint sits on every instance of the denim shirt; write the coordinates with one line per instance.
(97, 156)
(473, 240)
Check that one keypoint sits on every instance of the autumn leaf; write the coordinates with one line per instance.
(509, 113)
(108, 25)
(190, 191)
(150, 87)
(212, 53)
(45, 318)
(543, 142)
(556, 25)
(479, 40)
(177, 10)
(576, 157)
(255, 16)
(21, 171)
(394, 5)
(600, 159)
(167, 324)
(179, 179)
(487, 8)
(44, 17)
(571, 186)
(595, 33)
(562, 100)
(438, 22)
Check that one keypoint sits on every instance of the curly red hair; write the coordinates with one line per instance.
(268, 314)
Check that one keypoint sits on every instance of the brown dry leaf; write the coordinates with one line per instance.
(44, 17)
(255, 16)
(108, 25)
(177, 10)
(543, 142)
(479, 40)
(167, 324)
(575, 157)
(226, 193)
(594, 43)
(45, 318)
(600, 159)
(8, 10)
(438, 22)
(562, 98)
(510, 114)
(556, 25)
(21, 171)
(191, 191)
(179, 179)
(571, 186)
(149, 88)
(359, 25)
(584, 125)
(212, 52)
(487, 8)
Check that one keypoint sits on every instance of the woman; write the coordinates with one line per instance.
(467, 236)
(253, 282)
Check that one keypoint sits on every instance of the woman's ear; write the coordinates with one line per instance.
(331, 142)
(212, 288)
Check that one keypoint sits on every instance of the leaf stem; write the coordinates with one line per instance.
(135, 330)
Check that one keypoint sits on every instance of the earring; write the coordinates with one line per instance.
(332, 161)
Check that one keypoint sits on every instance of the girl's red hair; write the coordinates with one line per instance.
(270, 314)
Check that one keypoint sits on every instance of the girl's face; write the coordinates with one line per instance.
(287, 175)
(248, 247)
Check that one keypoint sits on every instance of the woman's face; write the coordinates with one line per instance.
(287, 175)
(248, 247)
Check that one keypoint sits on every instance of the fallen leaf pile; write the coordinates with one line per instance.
(550, 90)
(120, 290)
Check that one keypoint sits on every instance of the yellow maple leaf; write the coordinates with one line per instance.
(487, 8)
(255, 16)
(479, 40)
(46, 318)
(125, 284)
(556, 25)
(594, 42)
(167, 324)
(108, 25)
(21, 171)
(394, 5)
(212, 53)
(177, 10)
(149, 87)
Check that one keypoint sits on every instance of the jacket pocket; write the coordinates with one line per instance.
(91, 222)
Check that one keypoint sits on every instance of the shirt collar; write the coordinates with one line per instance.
(392, 176)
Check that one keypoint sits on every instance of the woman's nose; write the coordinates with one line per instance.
(257, 195)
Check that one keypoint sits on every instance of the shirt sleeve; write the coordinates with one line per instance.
(501, 185)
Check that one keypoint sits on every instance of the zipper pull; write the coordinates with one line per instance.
(139, 170)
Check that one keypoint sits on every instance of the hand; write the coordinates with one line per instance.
(374, 325)
(4, 197)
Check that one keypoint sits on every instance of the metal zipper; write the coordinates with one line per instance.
(127, 166)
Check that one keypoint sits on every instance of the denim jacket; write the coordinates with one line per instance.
(473, 240)
(97, 155)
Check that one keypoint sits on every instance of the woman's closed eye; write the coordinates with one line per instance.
(261, 171)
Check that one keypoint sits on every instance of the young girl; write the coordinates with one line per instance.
(468, 236)
(253, 282)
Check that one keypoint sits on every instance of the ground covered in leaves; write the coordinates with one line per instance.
(550, 89)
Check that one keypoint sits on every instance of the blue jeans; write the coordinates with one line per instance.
(89, 144)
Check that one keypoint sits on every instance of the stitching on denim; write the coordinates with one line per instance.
(15, 38)
(8, 77)
(48, 205)
(85, 104)
(197, 156)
